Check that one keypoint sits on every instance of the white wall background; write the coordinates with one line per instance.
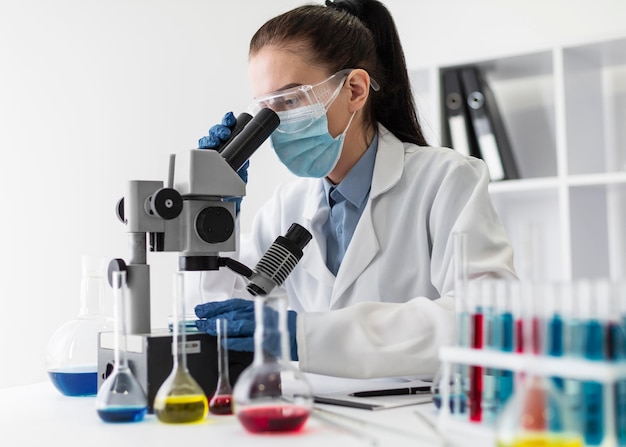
(97, 92)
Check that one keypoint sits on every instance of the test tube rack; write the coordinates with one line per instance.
(569, 368)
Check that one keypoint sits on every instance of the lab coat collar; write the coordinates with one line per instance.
(388, 169)
(316, 212)
(364, 245)
(389, 162)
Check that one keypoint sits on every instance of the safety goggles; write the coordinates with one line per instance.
(298, 107)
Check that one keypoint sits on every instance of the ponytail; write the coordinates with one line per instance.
(393, 106)
(354, 34)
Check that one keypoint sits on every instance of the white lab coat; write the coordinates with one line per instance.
(391, 305)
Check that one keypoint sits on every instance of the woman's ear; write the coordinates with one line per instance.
(358, 82)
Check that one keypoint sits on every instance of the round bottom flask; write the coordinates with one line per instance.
(72, 352)
(271, 395)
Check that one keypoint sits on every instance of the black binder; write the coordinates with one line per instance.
(487, 126)
(454, 117)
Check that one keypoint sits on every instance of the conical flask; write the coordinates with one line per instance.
(72, 352)
(180, 399)
(536, 414)
(120, 397)
(271, 395)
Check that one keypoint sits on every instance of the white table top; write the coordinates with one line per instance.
(37, 414)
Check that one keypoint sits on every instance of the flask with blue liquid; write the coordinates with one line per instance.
(121, 397)
(72, 352)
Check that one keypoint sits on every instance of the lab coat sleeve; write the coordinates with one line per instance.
(371, 347)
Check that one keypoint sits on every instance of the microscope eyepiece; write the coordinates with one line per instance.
(250, 138)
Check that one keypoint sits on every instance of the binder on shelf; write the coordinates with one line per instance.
(487, 127)
(455, 118)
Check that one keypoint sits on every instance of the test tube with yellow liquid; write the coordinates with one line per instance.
(180, 399)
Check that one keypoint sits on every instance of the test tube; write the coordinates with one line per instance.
(506, 338)
(573, 329)
(458, 382)
(491, 336)
(460, 372)
(535, 414)
(593, 300)
(474, 395)
(554, 325)
(618, 302)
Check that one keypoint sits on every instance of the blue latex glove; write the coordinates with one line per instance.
(217, 135)
(240, 316)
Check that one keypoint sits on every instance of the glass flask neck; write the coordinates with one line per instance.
(91, 287)
(179, 339)
(223, 378)
(119, 322)
(271, 336)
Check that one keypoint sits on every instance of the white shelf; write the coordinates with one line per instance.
(564, 108)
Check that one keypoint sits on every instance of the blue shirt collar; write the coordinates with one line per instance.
(355, 187)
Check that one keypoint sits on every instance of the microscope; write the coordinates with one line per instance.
(192, 215)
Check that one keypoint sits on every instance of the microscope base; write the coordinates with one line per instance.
(150, 359)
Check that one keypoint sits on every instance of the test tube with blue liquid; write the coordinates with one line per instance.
(120, 397)
(617, 353)
(573, 341)
(459, 381)
(594, 300)
(460, 372)
(554, 326)
(491, 340)
(506, 338)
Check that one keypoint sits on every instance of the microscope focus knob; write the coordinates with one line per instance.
(166, 203)
(119, 210)
(214, 224)
(115, 265)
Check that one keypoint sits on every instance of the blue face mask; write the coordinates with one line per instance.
(311, 152)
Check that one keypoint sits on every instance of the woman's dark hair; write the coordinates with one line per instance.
(353, 34)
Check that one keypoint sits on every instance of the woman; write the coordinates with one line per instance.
(373, 293)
